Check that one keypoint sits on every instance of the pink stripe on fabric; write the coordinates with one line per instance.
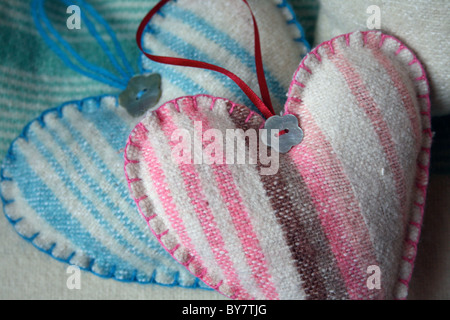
(238, 212)
(372, 43)
(196, 194)
(336, 204)
(142, 141)
(367, 103)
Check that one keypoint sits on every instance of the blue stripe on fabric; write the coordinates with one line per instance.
(90, 151)
(224, 40)
(91, 242)
(56, 215)
(114, 128)
(186, 84)
(178, 45)
(96, 188)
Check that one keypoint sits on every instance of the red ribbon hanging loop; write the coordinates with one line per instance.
(264, 105)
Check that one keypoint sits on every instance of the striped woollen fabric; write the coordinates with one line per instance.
(219, 32)
(349, 198)
(61, 182)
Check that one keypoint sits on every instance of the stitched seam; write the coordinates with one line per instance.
(159, 236)
(292, 20)
(421, 168)
(135, 197)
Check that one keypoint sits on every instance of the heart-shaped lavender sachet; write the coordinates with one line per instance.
(336, 217)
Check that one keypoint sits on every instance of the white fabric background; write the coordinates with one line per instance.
(421, 24)
(26, 273)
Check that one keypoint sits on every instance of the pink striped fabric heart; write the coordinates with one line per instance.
(340, 216)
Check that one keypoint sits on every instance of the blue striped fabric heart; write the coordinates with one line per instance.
(63, 189)
(62, 183)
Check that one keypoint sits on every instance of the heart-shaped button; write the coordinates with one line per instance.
(340, 216)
